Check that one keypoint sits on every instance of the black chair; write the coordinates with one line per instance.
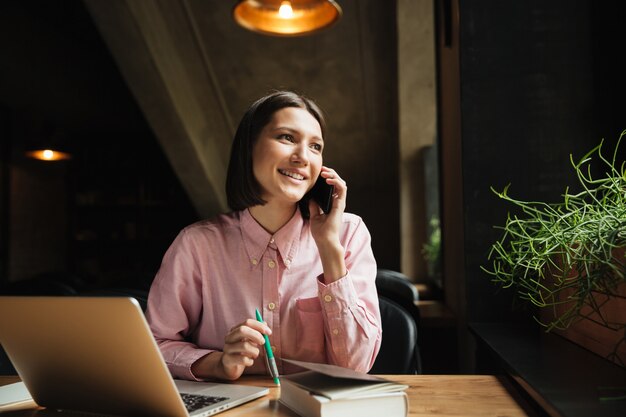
(399, 351)
(395, 287)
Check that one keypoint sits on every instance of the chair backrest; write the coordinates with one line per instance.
(396, 286)
(399, 351)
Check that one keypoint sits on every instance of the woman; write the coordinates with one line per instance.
(312, 279)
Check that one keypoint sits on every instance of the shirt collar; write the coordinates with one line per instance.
(256, 239)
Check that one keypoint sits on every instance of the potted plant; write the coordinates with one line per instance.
(568, 258)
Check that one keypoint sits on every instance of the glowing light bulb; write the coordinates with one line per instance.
(48, 155)
(285, 11)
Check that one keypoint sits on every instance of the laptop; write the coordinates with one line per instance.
(98, 355)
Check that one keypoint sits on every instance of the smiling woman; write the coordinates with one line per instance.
(242, 188)
(288, 157)
(312, 278)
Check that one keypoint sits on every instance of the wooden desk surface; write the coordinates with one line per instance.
(440, 395)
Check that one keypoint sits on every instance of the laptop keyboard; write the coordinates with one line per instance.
(195, 402)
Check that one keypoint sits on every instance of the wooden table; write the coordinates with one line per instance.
(429, 395)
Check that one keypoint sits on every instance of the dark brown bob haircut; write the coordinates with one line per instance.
(242, 188)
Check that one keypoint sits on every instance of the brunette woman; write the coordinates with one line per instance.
(311, 278)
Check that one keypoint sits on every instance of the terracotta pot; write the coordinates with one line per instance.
(601, 326)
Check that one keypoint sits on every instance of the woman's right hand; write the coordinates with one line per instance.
(242, 345)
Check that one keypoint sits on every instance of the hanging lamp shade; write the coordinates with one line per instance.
(48, 144)
(286, 18)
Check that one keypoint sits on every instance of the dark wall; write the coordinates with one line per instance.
(107, 216)
(539, 80)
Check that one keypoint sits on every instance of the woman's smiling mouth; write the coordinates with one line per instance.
(291, 174)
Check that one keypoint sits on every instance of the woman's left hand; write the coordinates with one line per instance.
(325, 228)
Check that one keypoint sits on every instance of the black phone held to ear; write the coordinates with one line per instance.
(321, 193)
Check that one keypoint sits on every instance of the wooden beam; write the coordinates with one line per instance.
(156, 47)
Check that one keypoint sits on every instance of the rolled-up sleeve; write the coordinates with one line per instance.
(350, 305)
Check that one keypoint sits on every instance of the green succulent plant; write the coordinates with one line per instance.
(562, 255)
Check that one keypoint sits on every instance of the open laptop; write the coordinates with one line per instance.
(97, 354)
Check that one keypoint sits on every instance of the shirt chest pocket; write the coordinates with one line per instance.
(310, 330)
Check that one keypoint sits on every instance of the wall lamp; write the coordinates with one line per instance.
(286, 18)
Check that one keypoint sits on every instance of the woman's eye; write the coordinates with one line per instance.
(286, 136)
(317, 147)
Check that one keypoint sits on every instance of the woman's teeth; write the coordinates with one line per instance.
(291, 174)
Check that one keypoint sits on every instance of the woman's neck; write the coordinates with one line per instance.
(273, 216)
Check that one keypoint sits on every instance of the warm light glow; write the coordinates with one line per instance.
(48, 155)
(285, 11)
(286, 17)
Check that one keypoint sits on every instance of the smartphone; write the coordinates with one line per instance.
(321, 193)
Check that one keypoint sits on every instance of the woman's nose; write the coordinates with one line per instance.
(300, 155)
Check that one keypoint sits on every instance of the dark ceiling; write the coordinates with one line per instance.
(55, 68)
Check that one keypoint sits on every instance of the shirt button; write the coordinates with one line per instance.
(254, 261)
(271, 306)
(328, 298)
(335, 332)
(272, 240)
(271, 264)
(288, 262)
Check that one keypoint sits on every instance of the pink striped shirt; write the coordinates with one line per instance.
(217, 272)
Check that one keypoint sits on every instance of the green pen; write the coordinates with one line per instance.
(271, 362)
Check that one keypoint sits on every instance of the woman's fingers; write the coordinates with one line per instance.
(244, 334)
(249, 330)
(341, 188)
(332, 177)
(242, 346)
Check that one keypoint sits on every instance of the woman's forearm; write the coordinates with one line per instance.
(332, 255)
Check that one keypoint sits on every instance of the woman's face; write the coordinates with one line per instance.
(287, 156)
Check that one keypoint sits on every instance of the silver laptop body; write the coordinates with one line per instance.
(97, 354)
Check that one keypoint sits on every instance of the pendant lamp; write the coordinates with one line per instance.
(48, 155)
(286, 18)
(48, 146)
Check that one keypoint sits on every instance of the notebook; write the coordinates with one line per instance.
(97, 354)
